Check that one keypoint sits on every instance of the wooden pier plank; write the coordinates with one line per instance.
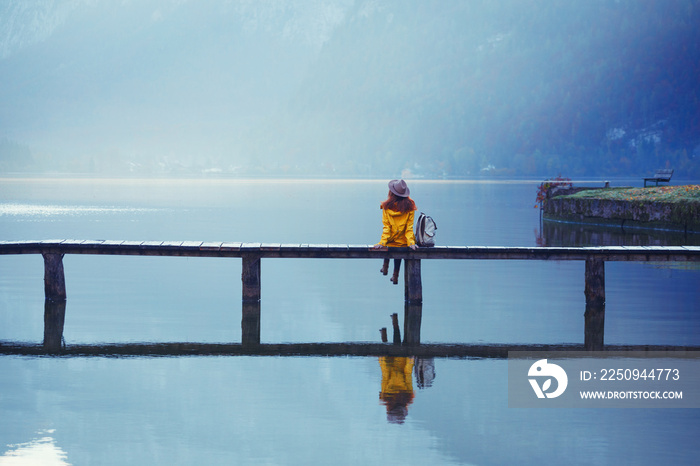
(51, 242)
(151, 243)
(112, 242)
(171, 245)
(230, 249)
(20, 247)
(127, 244)
(94, 245)
(72, 242)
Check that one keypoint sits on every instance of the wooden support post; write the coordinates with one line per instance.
(54, 317)
(595, 282)
(595, 304)
(250, 323)
(413, 313)
(250, 276)
(413, 286)
(382, 332)
(54, 278)
(397, 331)
(594, 329)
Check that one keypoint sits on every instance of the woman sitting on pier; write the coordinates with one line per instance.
(397, 218)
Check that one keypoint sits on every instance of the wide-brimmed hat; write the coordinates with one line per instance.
(399, 188)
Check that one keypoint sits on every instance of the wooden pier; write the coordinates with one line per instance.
(252, 255)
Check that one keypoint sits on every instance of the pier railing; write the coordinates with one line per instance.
(252, 254)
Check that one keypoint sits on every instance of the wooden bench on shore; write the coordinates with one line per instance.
(662, 175)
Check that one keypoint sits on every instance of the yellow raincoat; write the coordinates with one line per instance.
(398, 228)
(396, 375)
(397, 387)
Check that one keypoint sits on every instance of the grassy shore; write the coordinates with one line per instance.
(674, 208)
(662, 194)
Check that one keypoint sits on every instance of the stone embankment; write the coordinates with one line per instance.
(627, 209)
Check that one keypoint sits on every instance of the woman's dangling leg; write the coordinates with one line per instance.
(397, 267)
(385, 268)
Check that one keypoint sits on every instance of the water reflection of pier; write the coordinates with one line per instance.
(495, 351)
(54, 317)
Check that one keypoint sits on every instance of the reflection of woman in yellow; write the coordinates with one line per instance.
(397, 386)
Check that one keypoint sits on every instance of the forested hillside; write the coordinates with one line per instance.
(355, 88)
(527, 87)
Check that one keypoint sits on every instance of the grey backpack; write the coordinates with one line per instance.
(425, 231)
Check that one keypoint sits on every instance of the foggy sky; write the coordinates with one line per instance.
(359, 87)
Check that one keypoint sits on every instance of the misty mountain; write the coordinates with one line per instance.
(351, 88)
(529, 87)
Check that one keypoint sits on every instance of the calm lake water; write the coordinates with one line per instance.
(316, 410)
